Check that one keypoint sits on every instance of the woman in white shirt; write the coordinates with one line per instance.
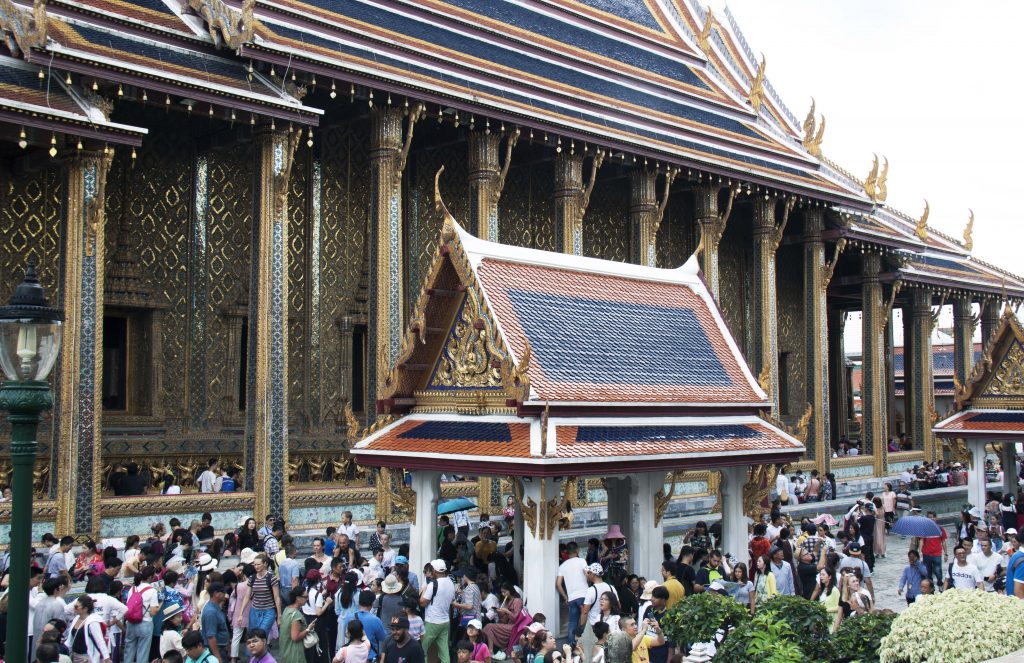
(357, 649)
(609, 604)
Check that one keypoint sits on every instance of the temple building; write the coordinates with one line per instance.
(233, 202)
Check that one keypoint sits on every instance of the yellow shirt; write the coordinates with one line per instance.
(642, 653)
(675, 591)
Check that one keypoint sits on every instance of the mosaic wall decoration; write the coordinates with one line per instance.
(677, 232)
(734, 258)
(606, 224)
(791, 325)
(299, 229)
(526, 211)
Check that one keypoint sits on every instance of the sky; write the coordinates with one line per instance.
(932, 85)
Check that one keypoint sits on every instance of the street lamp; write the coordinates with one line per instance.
(30, 334)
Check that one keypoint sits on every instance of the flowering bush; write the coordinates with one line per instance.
(955, 626)
(698, 616)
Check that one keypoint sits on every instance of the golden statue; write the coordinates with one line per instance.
(704, 38)
(756, 94)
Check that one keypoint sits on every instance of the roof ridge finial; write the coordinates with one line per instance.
(449, 223)
(871, 181)
(968, 231)
(756, 94)
(882, 191)
(922, 224)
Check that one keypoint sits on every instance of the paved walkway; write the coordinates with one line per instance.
(886, 577)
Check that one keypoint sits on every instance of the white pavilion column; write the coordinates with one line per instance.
(423, 533)
(976, 473)
(734, 521)
(540, 551)
(644, 531)
(618, 490)
(1009, 460)
(517, 541)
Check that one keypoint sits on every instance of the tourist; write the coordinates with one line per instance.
(927, 588)
(170, 630)
(782, 491)
(391, 602)
(349, 528)
(209, 480)
(357, 647)
(416, 626)
(293, 629)
(759, 543)
(987, 562)
(323, 561)
(866, 525)
(744, 594)
(961, 573)
(400, 647)
(853, 598)
(346, 604)
(57, 561)
(933, 551)
(195, 649)
(142, 605)
(643, 639)
(436, 598)
(685, 573)
(375, 537)
(372, 625)
(826, 593)
(1007, 513)
(698, 538)
(601, 634)
(1015, 573)
(85, 637)
(828, 487)
(880, 529)
(318, 601)
(764, 580)
(675, 589)
(806, 571)
(264, 598)
(783, 573)
(855, 561)
(479, 651)
(228, 484)
(965, 528)
(447, 550)
(912, 575)
(258, 649)
(571, 584)
(609, 610)
(888, 506)
(813, 492)
(214, 623)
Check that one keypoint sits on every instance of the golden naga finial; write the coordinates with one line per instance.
(871, 181)
(922, 224)
(883, 189)
(704, 38)
(803, 424)
(813, 132)
(439, 205)
(764, 380)
(968, 240)
(756, 94)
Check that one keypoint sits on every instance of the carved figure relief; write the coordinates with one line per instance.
(468, 358)
(1008, 378)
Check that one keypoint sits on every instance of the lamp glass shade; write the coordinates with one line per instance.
(28, 347)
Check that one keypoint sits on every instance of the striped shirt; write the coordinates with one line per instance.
(262, 596)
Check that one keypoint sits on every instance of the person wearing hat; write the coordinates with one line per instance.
(389, 603)
(400, 648)
(571, 584)
(480, 652)
(214, 624)
(591, 613)
(436, 597)
(402, 566)
(614, 551)
(170, 637)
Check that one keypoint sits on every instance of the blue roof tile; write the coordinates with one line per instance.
(463, 431)
(649, 434)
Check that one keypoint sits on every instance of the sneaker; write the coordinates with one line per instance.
(499, 655)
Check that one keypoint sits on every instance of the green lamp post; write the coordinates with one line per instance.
(30, 333)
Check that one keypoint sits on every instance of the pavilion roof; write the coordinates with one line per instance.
(991, 404)
(583, 332)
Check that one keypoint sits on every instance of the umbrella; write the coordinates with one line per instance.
(457, 504)
(916, 526)
(826, 518)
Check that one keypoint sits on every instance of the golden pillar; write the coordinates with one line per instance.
(487, 179)
(839, 415)
(817, 274)
(77, 409)
(919, 388)
(266, 450)
(572, 198)
(712, 225)
(388, 153)
(963, 339)
(872, 390)
(645, 214)
(764, 360)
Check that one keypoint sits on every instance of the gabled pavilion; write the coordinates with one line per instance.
(540, 366)
(990, 407)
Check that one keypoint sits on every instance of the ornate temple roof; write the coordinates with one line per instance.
(46, 104)
(522, 361)
(991, 404)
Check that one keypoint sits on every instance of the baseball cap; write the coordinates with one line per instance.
(439, 565)
(854, 547)
(474, 623)
(402, 559)
(535, 627)
(595, 568)
(1011, 531)
(399, 622)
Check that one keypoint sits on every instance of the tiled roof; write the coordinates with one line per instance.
(46, 104)
(620, 440)
(560, 62)
(458, 437)
(602, 337)
(983, 421)
(699, 438)
(942, 359)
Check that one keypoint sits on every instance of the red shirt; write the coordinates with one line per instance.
(759, 545)
(933, 545)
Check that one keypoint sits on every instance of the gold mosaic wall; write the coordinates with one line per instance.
(299, 227)
(526, 212)
(734, 255)
(791, 324)
(606, 224)
(676, 234)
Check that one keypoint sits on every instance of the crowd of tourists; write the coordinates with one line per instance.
(183, 594)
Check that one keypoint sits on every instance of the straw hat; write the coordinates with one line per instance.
(247, 556)
(648, 588)
(391, 584)
(614, 533)
(205, 563)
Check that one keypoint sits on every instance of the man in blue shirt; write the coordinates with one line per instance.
(288, 570)
(1015, 575)
(372, 626)
(213, 622)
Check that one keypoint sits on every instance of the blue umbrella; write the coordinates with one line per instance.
(916, 526)
(457, 504)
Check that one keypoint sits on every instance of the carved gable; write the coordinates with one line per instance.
(998, 377)
(1008, 376)
(470, 358)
